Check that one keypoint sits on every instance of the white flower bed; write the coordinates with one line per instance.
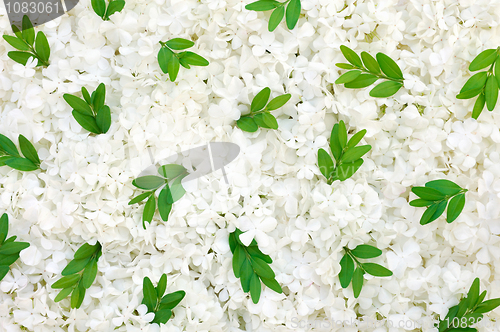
(276, 191)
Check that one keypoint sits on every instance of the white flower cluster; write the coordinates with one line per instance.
(276, 193)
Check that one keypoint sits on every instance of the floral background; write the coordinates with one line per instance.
(276, 193)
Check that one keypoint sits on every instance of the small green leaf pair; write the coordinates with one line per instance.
(100, 9)
(10, 156)
(252, 266)
(293, 8)
(9, 249)
(435, 195)
(28, 45)
(347, 155)
(169, 61)
(468, 311)
(485, 83)
(373, 69)
(260, 115)
(90, 112)
(170, 193)
(349, 273)
(73, 281)
(155, 301)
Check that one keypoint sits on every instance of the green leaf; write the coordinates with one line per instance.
(292, 13)
(162, 316)
(164, 57)
(325, 163)
(20, 57)
(385, 89)
(272, 284)
(370, 63)
(86, 250)
(42, 46)
(433, 212)
(462, 307)
(346, 170)
(89, 274)
(345, 66)
(103, 118)
(427, 193)
(140, 197)
(245, 275)
(348, 77)
(255, 288)
(481, 298)
(473, 294)
(351, 56)
(247, 123)
(63, 294)
(164, 206)
(16, 43)
(183, 61)
(114, 7)
(4, 269)
(366, 251)
(162, 286)
(357, 281)
(477, 80)
(148, 182)
(99, 96)
(171, 171)
(255, 252)
(99, 7)
(78, 104)
(356, 138)
(171, 300)
(479, 105)
(28, 32)
(389, 66)
(149, 210)
(4, 159)
(346, 270)
(8, 259)
(266, 120)
(194, 59)
(8, 146)
(11, 239)
(260, 100)
(17, 32)
(334, 143)
(277, 102)
(483, 60)
(455, 207)
(13, 247)
(444, 186)
(238, 259)
(4, 227)
(176, 190)
(342, 134)
(149, 293)
(362, 81)
(75, 266)
(275, 18)
(173, 68)
(262, 268)
(262, 5)
(355, 153)
(487, 306)
(497, 70)
(179, 44)
(420, 202)
(376, 270)
(65, 282)
(87, 122)
(77, 296)
(21, 164)
(469, 94)
(85, 94)
(28, 150)
(491, 92)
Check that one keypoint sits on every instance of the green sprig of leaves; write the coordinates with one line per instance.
(252, 266)
(155, 301)
(485, 83)
(367, 70)
(90, 112)
(104, 12)
(28, 45)
(291, 14)
(260, 115)
(79, 274)
(170, 61)
(346, 154)
(468, 311)
(9, 155)
(435, 195)
(9, 249)
(169, 181)
(349, 272)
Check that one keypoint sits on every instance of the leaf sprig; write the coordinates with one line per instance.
(293, 8)
(100, 9)
(468, 311)
(90, 112)
(155, 301)
(170, 179)
(348, 272)
(85, 261)
(9, 249)
(260, 115)
(250, 264)
(485, 83)
(28, 45)
(361, 76)
(9, 155)
(435, 195)
(169, 61)
(347, 155)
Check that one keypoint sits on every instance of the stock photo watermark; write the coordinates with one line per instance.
(38, 11)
